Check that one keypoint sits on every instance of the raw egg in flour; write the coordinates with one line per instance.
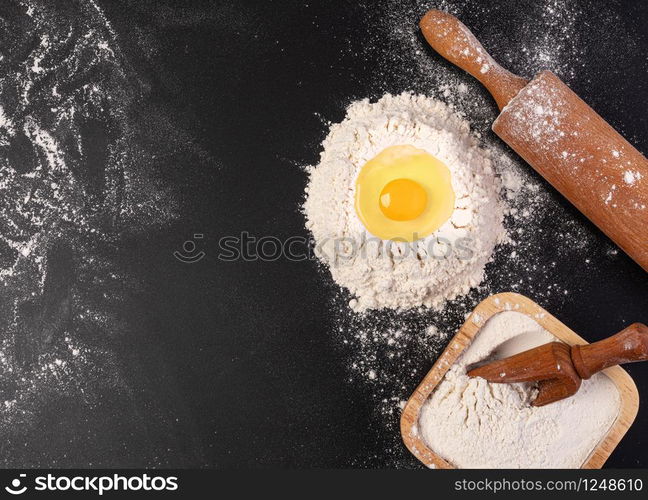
(404, 194)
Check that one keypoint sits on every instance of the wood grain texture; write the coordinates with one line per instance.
(560, 136)
(628, 346)
(583, 157)
(453, 41)
(482, 313)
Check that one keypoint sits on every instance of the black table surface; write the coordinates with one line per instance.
(238, 364)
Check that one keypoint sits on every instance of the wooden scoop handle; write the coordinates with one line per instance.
(627, 346)
(452, 40)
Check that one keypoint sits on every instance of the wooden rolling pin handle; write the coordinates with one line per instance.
(452, 40)
(627, 346)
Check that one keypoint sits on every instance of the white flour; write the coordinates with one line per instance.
(80, 165)
(440, 267)
(547, 240)
(476, 424)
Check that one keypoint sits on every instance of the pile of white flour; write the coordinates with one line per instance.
(440, 267)
(475, 424)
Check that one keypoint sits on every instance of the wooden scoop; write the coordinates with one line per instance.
(560, 136)
(559, 368)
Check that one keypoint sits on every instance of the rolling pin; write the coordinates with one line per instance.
(560, 136)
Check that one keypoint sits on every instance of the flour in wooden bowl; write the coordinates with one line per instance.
(472, 423)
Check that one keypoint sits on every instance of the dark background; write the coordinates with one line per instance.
(240, 358)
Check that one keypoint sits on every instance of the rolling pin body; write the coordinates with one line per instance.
(583, 157)
(560, 136)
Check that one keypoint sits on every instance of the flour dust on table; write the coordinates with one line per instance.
(77, 178)
(390, 351)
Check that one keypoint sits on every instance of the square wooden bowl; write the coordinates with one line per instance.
(482, 313)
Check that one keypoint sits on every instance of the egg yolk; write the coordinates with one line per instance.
(403, 194)
(403, 199)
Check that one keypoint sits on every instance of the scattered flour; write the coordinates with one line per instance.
(556, 131)
(435, 269)
(476, 424)
(631, 176)
(547, 238)
(80, 173)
